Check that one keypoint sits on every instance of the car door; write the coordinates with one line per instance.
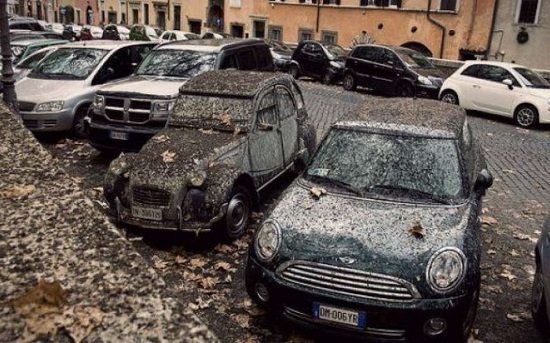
(317, 60)
(489, 94)
(265, 145)
(138, 53)
(385, 70)
(374, 68)
(116, 66)
(288, 119)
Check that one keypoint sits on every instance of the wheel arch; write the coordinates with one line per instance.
(246, 180)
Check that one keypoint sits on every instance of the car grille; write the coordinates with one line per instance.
(26, 106)
(127, 110)
(348, 282)
(150, 196)
(36, 124)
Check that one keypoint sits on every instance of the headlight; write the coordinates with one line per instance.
(99, 103)
(161, 109)
(446, 269)
(335, 65)
(268, 241)
(424, 80)
(52, 106)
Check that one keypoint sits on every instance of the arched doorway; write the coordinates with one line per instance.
(67, 14)
(418, 47)
(89, 15)
(215, 15)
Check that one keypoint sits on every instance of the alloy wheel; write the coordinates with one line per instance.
(450, 98)
(526, 116)
(238, 211)
(349, 82)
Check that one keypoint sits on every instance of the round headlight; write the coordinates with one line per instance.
(268, 241)
(446, 269)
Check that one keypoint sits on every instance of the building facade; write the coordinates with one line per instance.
(521, 33)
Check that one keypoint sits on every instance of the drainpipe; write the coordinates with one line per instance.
(493, 31)
(318, 14)
(438, 24)
(471, 28)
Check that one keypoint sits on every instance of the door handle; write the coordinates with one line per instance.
(476, 86)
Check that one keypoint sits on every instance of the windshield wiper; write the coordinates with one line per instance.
(339, 183)
(411, 191)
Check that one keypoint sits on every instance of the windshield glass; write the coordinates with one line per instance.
(177, 63)
(415, 60)
(32, 60)
(69, 64)
(389, 166)
(335, 51)
(532, 79)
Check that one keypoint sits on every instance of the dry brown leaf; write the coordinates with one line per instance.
(514, 317)
(168, 157)
(208, 131)
(224, 249)
(17, 191)
(45, 294)
(491, 252)
(514, 253)
(506, 274)
(158, 263)
(489, 220)
(180, 260)
(161, 138)
(208, 282)
(237, 131)
(78, 180)
(242, 320)
(222, 265)
(226, 119)
(197, 262)
(317, 192)
(417, 230)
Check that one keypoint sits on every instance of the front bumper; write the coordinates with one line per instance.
(48, 121)
(425, 91)
(385, 322)
(100, 136)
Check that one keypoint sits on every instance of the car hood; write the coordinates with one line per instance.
(44, 90)
(174, 155)
(431, 73)
(373, 233)
(148, 86)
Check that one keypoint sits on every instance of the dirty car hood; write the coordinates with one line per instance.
(145, 86)
(373, 233)
(44, 90)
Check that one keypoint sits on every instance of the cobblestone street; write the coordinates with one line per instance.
(514, 210)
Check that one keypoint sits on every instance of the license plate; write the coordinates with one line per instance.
(339, 315)
(147, 213)
(121, 136)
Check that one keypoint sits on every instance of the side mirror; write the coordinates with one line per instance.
(484, 181)
(508, 83)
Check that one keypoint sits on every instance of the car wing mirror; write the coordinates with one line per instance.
(508, 83)
(484, 181)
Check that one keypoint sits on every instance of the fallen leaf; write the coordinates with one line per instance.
(242, 320)
(237, 131)
(507, 275)
(168, 157)
(514, 253)
(491, 252)
(521, 236)
(158, 263)
(226, 119)
(489, 220)
(224, 249)
(417, 230)
(161, 138)
(17, 191)
(222, 265)
(78, 180)
(44, 293)
(208, 282)
(180, 260)
(317, 192)
(208, 131)
(197, 262)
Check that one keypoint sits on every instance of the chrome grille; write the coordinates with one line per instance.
(26, 106)
(347, 281)
(127, 110)
(150, 196)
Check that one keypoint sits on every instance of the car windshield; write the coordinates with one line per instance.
(69, 64)
(335, 51)
(177, 63)
(415, 60)
(31, 61)
(532, 79)
(389, 166)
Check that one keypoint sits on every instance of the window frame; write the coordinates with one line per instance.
(328, 34)
(273, 28)
(518, 10)
(304, 31)
(457, 6)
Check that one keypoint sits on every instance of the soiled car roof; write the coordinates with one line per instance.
(232, 83)
(407, 116)
(103, 44)
(209, 45)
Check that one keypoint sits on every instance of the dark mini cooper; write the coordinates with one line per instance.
(230, 134)
(540, 297)
(319, 60)
(379, 238)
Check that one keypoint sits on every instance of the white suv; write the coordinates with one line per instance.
(503, 89)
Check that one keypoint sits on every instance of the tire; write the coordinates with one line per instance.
(238, 213)
(538, 303)
(79, 129)
(294, 71)
(348, 82)
(468, 323)
(327, 78)
(450, 97)
(405, 90)
(526, 116)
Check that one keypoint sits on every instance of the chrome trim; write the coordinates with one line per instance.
(348, 281)
(126, 109)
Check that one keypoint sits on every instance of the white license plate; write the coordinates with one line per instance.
(339, 315)
(147, 213)
(121, 136)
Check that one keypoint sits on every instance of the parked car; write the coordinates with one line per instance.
(540, 299)
(56, 95)
(231, 134)
(56, 27)
(143, 32)
(23, 48)
(130, 111)
(16, 35)
(215, 35)
(24, 66)
(319, 60)
(25, 24)
(504, 89)
(90, 32)
(281, 53)
(392, 70)
(379, 238)
(168, 36)
(115, 32)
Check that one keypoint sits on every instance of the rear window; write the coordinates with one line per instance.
(247, 60)
(263, 55)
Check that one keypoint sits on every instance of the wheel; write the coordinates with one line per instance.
(294, 71)
(79, 127)
(468, 323)
(349, 82)
(327, 78)
(450, 97)
(238, 211)
(405, 90)
(526, 116)
(538, 303)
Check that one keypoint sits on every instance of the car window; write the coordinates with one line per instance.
(247, 60)
(166, 36)
(176, 63)
(264, 58)
(229, 61)
(266, 116)
(285, 104)
(531, 78)
(69, 64)
(138, 53)
(32, 60)
(359, 53)
(117, 66)
(471, 71)
(496, 74)
(389, 57)
(374, 54)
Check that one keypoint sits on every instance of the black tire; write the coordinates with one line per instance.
(238, 213)
(327, 78)
(294, 71)
(468, 323)
(450, 97)
(79, 128)
(349, 83)
(405, 90)
(538, 303)
(526, 116)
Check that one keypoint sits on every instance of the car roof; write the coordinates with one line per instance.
(210, 45)
(233, 83)
(407, 116)
(495, 63)
(104, 44)
(37, 41)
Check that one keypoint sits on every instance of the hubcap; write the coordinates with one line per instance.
(237, 213)
(449, 98)
(348, 82)
(526, 117)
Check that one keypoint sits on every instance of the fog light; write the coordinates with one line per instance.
(262, 292)
(435, 326)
